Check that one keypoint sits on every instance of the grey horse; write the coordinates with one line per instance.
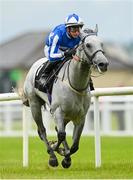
(70, 96)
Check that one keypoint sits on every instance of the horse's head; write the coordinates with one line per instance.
(92, 50)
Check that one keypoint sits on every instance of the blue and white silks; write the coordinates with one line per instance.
(59, 41)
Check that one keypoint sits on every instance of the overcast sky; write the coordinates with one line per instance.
(114, 17)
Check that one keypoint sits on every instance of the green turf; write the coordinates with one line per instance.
(117, 160)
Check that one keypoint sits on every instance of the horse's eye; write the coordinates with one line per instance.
(88, 45)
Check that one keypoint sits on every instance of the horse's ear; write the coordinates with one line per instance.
(96, 29)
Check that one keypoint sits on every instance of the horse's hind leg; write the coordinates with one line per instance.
(35, 106)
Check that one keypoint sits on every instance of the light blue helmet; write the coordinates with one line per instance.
(73, 20)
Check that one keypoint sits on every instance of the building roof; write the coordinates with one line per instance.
(23, 51)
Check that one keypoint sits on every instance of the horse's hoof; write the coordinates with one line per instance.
(53, 162)
(66, 162)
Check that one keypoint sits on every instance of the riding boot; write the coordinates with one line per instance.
(91, 85)
(48, 68)
(45, 75)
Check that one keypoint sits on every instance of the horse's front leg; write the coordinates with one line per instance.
(61, 134)
(62, 151)
(66, 162)
(35, 106)
(78, 128)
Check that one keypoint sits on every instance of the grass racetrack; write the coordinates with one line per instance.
(117, 160)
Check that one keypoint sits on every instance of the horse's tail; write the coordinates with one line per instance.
(22, 95)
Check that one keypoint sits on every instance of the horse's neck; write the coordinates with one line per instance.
(79, 74)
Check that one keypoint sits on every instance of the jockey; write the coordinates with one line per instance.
(63, 38)
(60, 43)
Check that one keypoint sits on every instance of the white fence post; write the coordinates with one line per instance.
(128, 117)
(106, 117)
(25, 138)
(7, 118)
(97, 133)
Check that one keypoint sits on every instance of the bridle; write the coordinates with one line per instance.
(93, 55)
(84, 48)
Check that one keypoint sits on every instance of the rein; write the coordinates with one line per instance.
(79, 90)
(68, 83)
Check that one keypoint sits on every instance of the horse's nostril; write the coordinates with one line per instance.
(101, 64)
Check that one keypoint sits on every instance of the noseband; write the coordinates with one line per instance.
(93, 55)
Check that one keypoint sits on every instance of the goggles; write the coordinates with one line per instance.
(75, 29)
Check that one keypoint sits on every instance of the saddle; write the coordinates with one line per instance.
(47, 87)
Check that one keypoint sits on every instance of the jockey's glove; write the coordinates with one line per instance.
(70, 52)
